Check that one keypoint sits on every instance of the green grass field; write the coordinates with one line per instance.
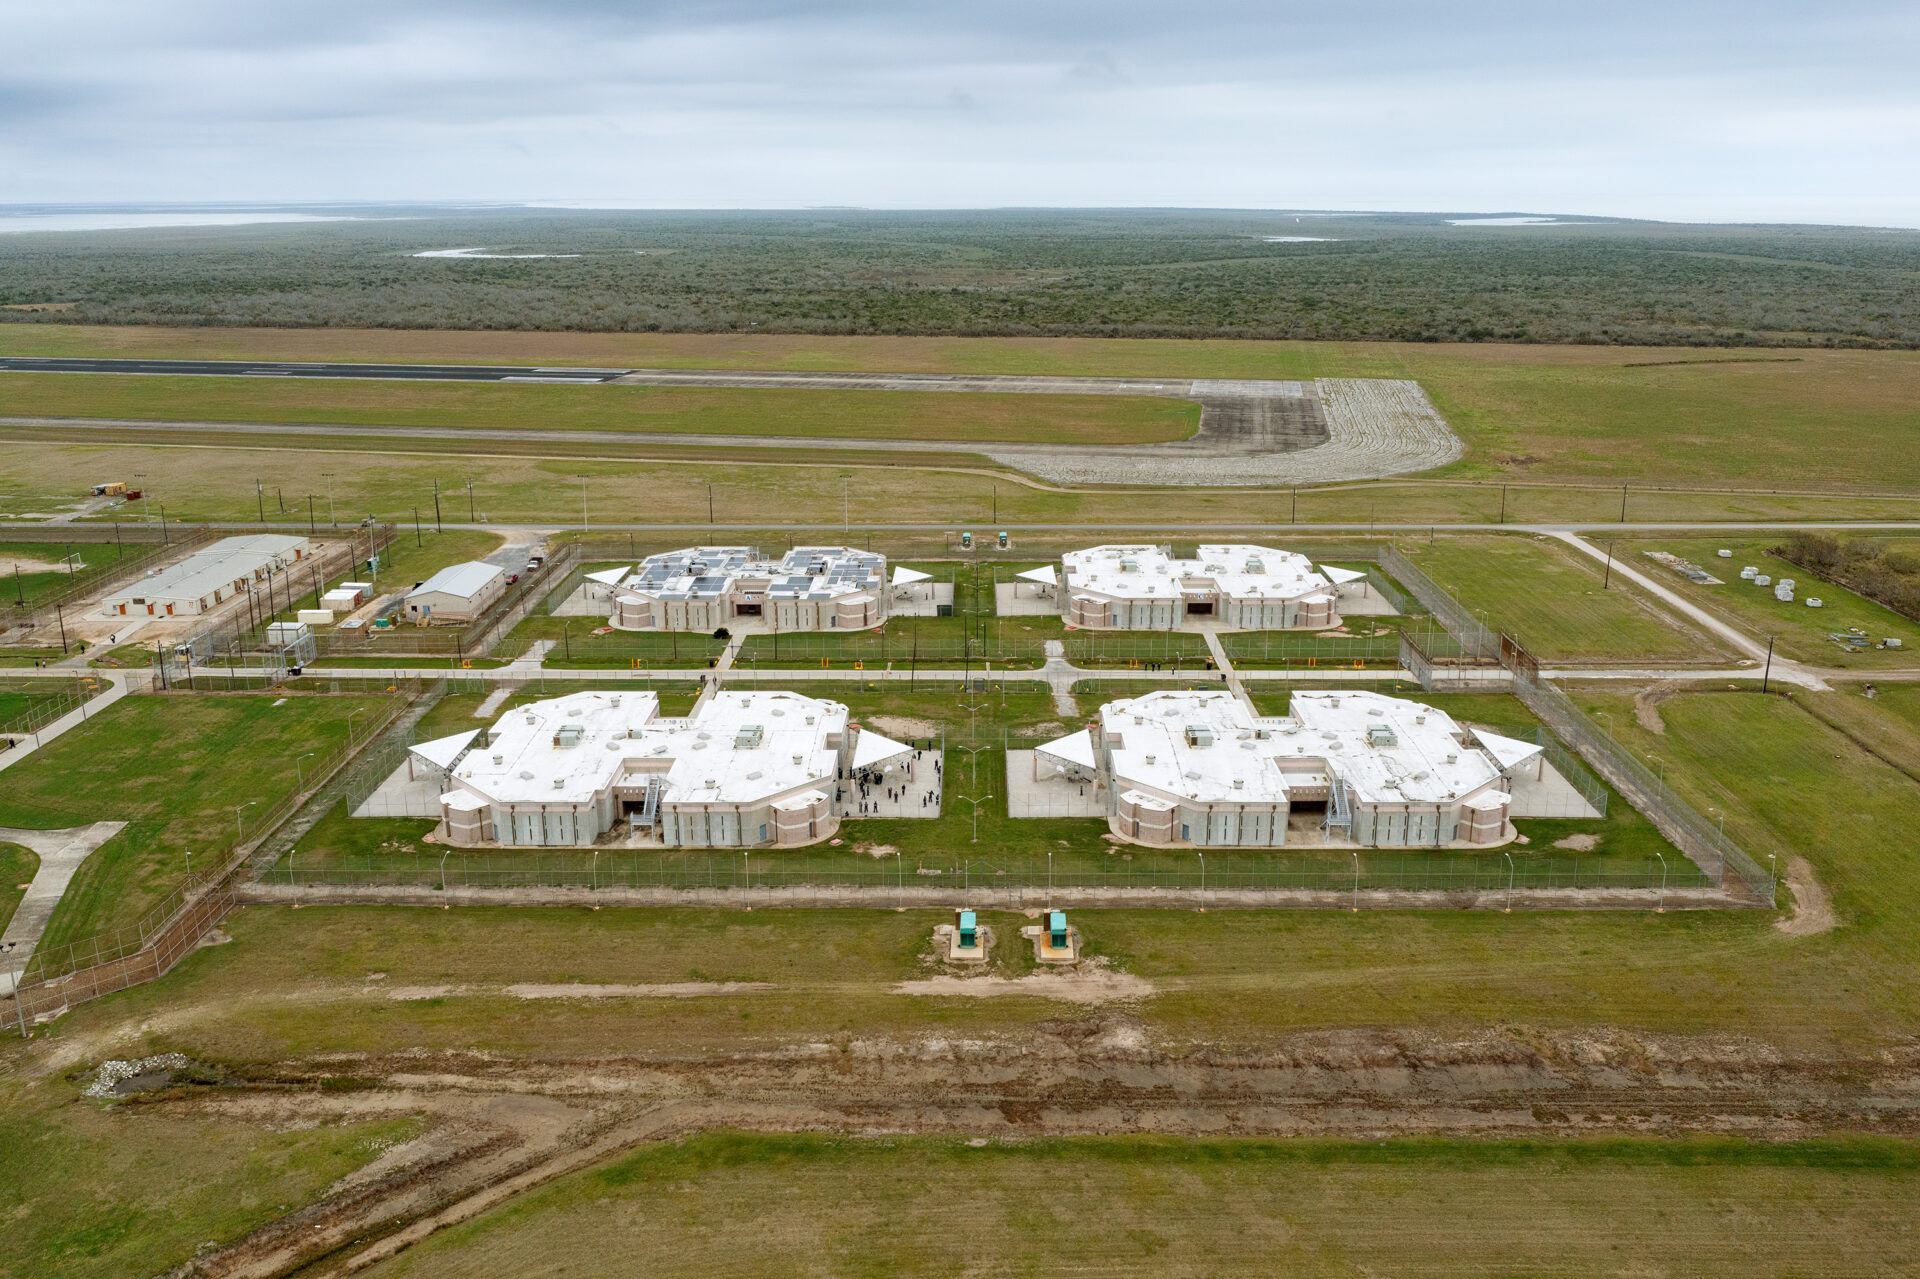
(172, 768)
(93, 1190)
(937, 1206)
(1557, 602)
(1652, 414)
(967, 417)
(17, 867)
(1802, 631)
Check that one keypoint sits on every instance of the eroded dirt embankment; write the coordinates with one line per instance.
(500, 1126)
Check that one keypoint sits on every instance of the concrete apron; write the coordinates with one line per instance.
(996, 897)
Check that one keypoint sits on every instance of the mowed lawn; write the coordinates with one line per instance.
(173, 768)
(1656, 415)
(1802, 631)
(1161, 1206)
(965, 417)
(1556, 602)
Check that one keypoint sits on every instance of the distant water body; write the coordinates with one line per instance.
(134, 220)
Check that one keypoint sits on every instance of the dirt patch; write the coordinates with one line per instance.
(407, 993)
(657, 990)
(1646, 705)
(876, 850)
(34, 564)
(1812, 911)
(904, 726)
(1046, 732)
(1584, 843)
(1096, 986)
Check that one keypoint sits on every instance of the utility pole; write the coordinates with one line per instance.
(418, 541)
(332, 519)
(1295, 517)
(846, 501)
(583, 502)
(164, 539)
(709, 507)
(1623, 504)
(1503, 504)
(470, 518)
(260, 495)
(1607, 580)
(436, 507)
(1768, 674)
(313, 525)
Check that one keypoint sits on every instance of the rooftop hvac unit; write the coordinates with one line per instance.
(1057, 929)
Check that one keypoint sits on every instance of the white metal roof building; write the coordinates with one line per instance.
(703, 588)
(1246, 587)
(210, 576)
(457, 593)
(745, 769)
(1200, 769)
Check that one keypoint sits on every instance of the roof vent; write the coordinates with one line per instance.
(1239, 783)
(499, 759)
(799, 759)
(1193, 774)
(559, 783)
(699, 746)
(574, 713)
(1453, 757)
(526, 774)
(755, 775)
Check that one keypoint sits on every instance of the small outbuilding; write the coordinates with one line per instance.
(458, 593)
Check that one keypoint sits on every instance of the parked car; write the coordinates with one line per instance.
(512, 578)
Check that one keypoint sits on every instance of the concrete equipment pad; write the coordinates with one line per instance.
(1540, 791)
(401, 795)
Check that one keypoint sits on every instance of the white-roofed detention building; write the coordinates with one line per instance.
(703, 588)
(1243, 587)
(745, 769)
(1198, 769)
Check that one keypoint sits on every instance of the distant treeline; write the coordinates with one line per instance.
(1118, 274)
(1863, 565)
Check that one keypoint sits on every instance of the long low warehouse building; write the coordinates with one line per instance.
(210, 576)
(1199, 769)
(703, 588)
(1238, 586)
(745, 769)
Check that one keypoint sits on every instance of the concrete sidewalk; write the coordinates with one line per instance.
(60, 852)
(116, 689)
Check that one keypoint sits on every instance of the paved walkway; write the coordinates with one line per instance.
(116, 689)
(60, 852)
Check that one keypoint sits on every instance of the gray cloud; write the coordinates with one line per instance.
(1758, 111)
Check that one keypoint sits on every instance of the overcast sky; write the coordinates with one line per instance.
(1759, 111)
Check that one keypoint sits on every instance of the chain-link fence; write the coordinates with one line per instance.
(1224, 870)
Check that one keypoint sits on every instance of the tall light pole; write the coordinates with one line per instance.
(1661, 909)
(1203, 881)
(976, 812)
(355, 711)
(301, 772)
(583, 502)
(846, 501)
(239, 825)
(1509, 857)
(1355, 907)
(1663, 768)
(332, 518)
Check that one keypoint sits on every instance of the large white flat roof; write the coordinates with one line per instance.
(219, 565)
(805, 572)
(737, 748)
(1240, 570)
(1207, 747)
